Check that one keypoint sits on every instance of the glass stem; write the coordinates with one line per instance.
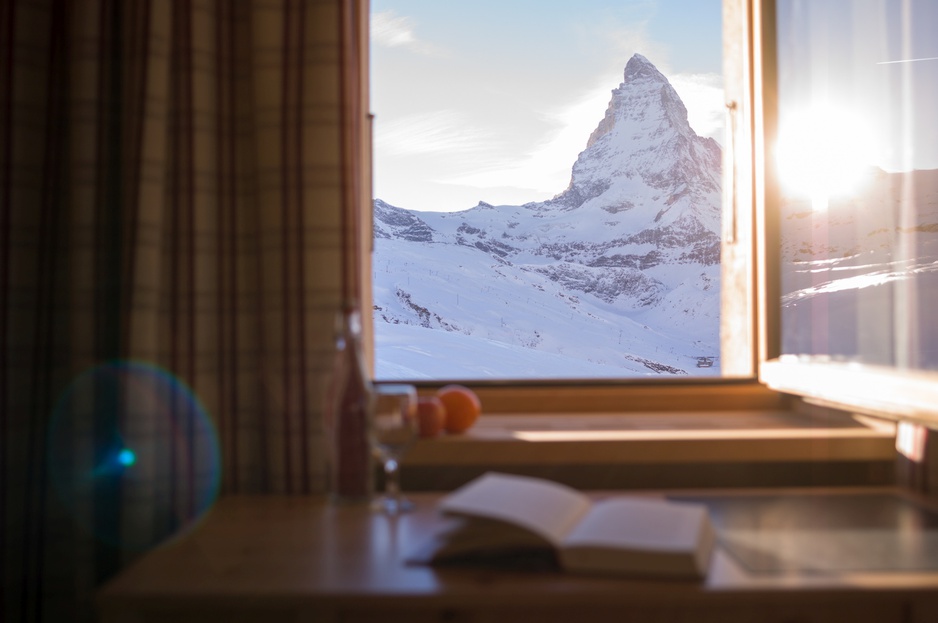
(392, 487)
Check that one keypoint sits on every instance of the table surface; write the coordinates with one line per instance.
(294, 550)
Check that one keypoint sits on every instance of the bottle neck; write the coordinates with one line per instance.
(348, 324)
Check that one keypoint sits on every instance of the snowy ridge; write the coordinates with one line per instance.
(618, 275)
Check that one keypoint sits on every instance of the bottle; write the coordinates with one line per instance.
(350, 412)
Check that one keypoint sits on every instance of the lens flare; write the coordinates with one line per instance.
(133, 455)
(126, 457)
(822, 152)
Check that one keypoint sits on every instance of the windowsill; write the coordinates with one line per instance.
(711, 449)
(669, 438)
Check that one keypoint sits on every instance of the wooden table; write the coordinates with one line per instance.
(282, 559)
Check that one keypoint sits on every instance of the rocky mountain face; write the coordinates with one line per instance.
(635, 236)
(644, 135)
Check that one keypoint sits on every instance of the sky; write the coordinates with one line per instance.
(492, 100)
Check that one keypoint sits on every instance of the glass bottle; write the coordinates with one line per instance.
(352, 473)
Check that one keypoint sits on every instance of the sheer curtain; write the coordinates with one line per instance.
(170, 265)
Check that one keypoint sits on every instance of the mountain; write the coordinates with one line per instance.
(617, 275)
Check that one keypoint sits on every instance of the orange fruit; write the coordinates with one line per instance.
(462, 407)
(431, 416)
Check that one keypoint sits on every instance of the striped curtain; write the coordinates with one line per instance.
(171, 184)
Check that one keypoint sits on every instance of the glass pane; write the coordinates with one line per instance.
(858, 163)
(527, 223)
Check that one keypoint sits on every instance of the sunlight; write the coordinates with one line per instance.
(822, 152)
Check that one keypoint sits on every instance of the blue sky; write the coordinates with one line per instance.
(492, 100)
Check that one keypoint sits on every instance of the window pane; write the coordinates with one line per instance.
(527, 223)
(858, 164)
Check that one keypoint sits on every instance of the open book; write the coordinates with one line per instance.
(619, 535)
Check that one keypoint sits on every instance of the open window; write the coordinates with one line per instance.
(758, 370)
(848, 172)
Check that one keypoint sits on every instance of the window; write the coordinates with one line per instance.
(750, 264)
(853, 202)
(611, 272)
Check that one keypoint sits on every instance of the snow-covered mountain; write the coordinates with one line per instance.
(618, 275)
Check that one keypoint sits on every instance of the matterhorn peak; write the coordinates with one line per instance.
(643, 95)
(640, 67)
(643, 135)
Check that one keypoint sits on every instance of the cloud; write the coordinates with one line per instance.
(621, 34)
(545, 165)
(390, 30)
(703, 96)
(444, 131)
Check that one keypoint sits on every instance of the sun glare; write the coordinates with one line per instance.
(822, 153)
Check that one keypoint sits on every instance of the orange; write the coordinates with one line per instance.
(462, 407)
(431, 415)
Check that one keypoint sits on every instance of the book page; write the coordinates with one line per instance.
(641, 524)
(548, 509)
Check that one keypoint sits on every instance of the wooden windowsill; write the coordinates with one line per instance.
(661, 450)
(659, 438)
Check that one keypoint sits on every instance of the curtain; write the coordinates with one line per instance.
(171, 183)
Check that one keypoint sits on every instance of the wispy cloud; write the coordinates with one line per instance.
(703, 97)
(444, 131)
(622, 35)
(391, 30)
(544, 167)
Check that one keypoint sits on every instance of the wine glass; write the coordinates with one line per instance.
(394, 429)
